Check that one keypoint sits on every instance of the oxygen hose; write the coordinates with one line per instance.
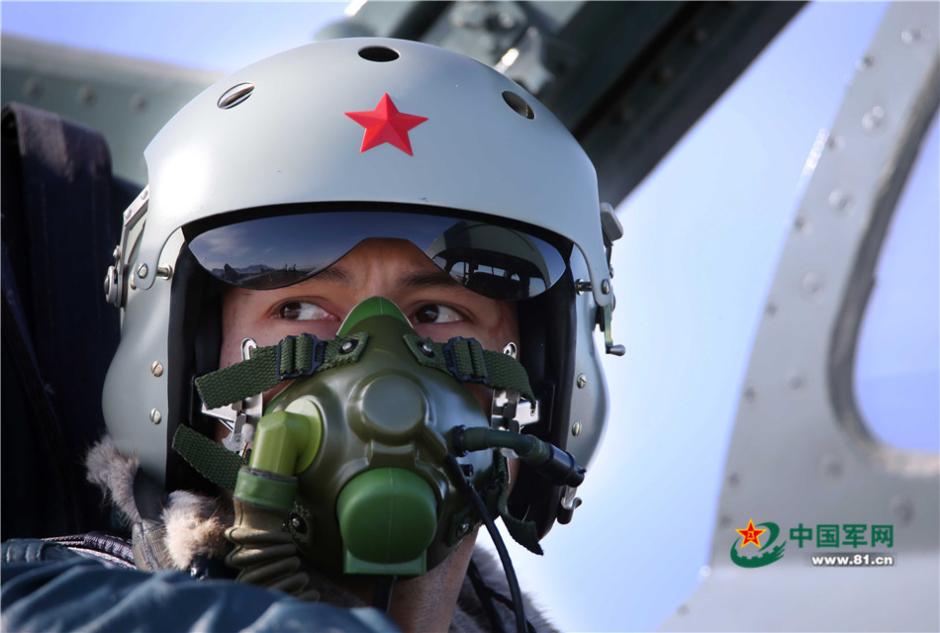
(547, 459)
(265, 554)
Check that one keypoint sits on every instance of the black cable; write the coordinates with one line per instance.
(506, 601)
(382, 593)
(514, 591)
(485, 595)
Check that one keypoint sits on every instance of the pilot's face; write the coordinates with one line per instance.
(437, 307)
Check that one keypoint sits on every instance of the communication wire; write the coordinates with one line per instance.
(516, 594)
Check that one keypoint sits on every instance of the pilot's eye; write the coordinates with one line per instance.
(436, 313)
(302, 311)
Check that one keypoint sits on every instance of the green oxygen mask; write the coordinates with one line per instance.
(367, 453)
(357, 452)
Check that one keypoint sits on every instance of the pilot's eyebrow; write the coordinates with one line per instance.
(429, 279)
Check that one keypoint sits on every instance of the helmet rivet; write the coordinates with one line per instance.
(155, 416)
(576, 429)
(235, 95)
(348, 345)
(142, 271)
(463, 529)
(156, 368)
(427, 349)
(164, 272)
(605, 286)
(582, 380)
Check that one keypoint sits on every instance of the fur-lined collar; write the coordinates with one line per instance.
(192, 525)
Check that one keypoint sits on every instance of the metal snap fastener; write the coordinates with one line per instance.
(298, 524)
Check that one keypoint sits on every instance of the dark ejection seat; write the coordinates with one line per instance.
(60, 210)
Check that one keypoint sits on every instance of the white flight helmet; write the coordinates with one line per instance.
(393, 129)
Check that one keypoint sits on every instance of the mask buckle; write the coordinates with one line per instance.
(510, 411)
(239, 417)
(292, 366)
(473, 369)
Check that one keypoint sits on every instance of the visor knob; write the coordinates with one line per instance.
(111, 287)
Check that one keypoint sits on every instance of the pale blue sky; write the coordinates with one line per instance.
(217, 36)
(703, 234)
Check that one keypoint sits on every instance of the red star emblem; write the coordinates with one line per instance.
(751, 534)
(386, 124)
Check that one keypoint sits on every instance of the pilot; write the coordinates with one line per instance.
(359, 297)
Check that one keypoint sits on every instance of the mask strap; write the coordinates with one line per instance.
(210, 459)
(467, 361)
(292, 357)
(304, 355)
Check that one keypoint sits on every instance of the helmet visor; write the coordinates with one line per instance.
(272, 252)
